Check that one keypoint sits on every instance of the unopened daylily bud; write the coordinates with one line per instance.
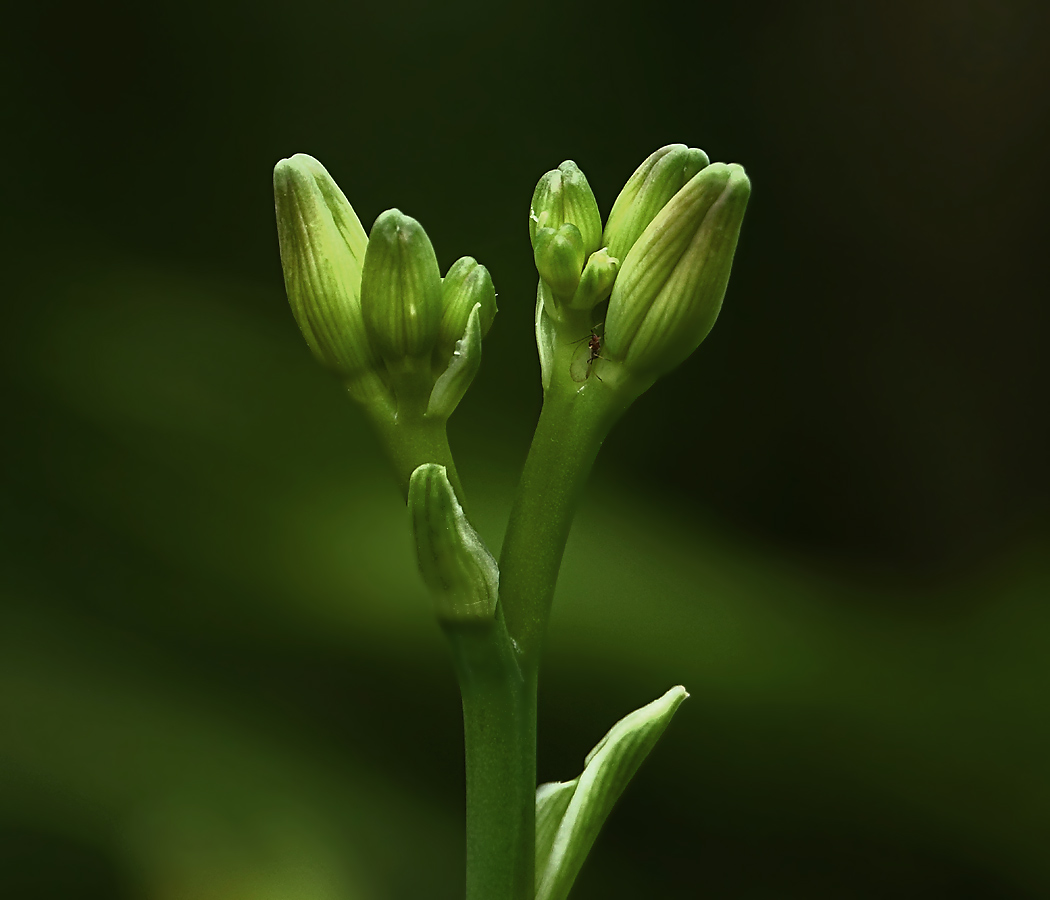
(322, 254)
(654, 182)
(596, 282)
(563, 195)
(466, 284)
(456, 566)
(670, 287)
(401, 288)
(559, 258)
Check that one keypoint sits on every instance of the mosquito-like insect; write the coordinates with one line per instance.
(582, 364)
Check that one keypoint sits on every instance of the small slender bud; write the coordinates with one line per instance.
(653, 183)
(466, 285)
(401, 288)
(559, 258)
(563, 195)
(670, 288)
(456, 566)
(596, 282)
(322, 254)
(463, 364)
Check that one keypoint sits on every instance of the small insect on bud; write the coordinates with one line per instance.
(596, 282)
(401, 289)
(466, 284)
(456, 566)
(322, 254)
(653, 183)
(563, 195)
(670, 287)
(559, 258)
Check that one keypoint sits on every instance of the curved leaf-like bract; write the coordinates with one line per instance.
(570, 814)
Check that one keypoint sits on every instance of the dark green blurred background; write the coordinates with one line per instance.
(218, 673)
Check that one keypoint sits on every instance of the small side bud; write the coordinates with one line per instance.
(559, 258)
(670, 288)
(322, 254)
(456, 566)
(596, 282)
(401, 289)
(653, 183)
(466, 285)
(463, 364)
(563, 195)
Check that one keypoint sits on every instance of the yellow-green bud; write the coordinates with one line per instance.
(653, 183)
(467, 283)
(563, 195)
(456, 566)
(322, 254)
(670, 287)
(559, 258)
(401, 288)
(596, 282)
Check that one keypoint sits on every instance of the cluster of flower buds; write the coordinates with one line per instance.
(375, 308)
(566, 231)
(663, 260)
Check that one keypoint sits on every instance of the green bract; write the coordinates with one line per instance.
(401, 289)
(654, 182)
(563, 195)
(322, 253)
(460, 572)
(670, 287)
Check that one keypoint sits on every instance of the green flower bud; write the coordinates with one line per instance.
(559, 258)
(653, 183)
(670, 288)
(401, 289)
(596, 282)
(322, 254)
(456, 566)
(563, 195)
(466, 285)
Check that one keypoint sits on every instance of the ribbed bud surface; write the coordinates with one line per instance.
(322, 254)
(670, 287)
(647, 191)
(564, 196)
(401, 288)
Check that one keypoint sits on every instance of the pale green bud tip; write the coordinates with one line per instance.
(597, 280)
(401, 288)
(653, 183)
(559, 258)
(454, 563)
(670, 288)
(322, 255)
(466, 284)
(563, 195)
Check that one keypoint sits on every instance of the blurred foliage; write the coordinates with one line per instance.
(219, 676)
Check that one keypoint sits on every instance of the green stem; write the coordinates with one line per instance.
(499, 724)
(574, 422)
(411, 442)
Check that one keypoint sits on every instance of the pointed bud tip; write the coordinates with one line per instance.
(739, 184)
(295, 167)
